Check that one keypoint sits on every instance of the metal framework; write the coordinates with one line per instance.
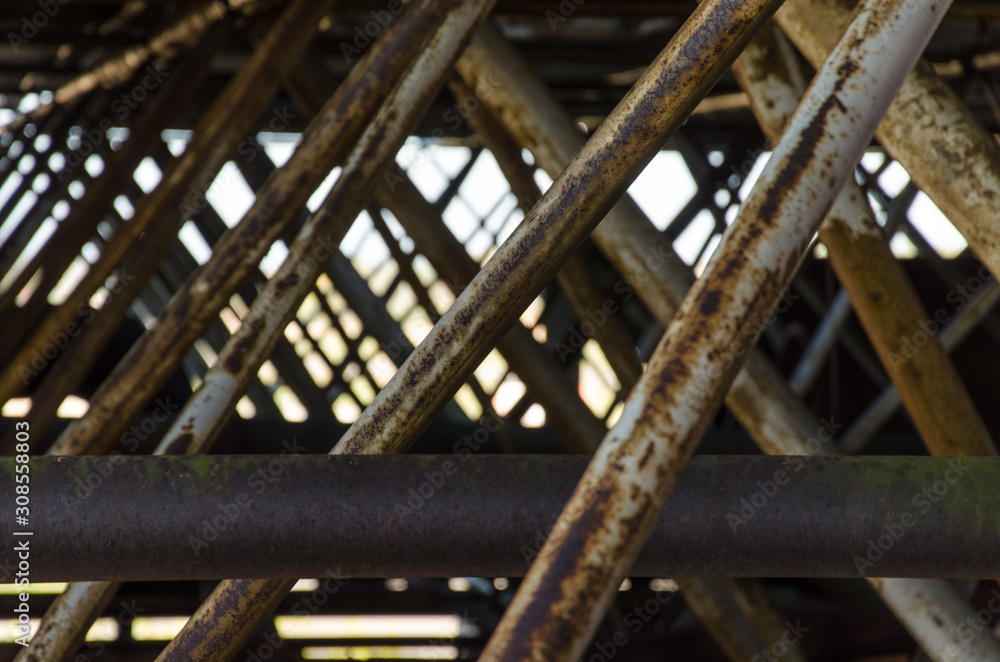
(457, 228)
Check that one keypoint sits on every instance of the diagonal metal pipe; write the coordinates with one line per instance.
(884, 299)
(501, 79)
(653, 109)
(950, 155)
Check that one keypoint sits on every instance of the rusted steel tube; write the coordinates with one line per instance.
(947, 152)
(574, 278)
(884, 406)
(721, 614)
(203, 636)
(237, 253)
(884, 299)
(485, 516)
(598, 535)
(556, 225)
(501, 79)
(543, 377)
(62, 630)
(206, 411)
(714, 603)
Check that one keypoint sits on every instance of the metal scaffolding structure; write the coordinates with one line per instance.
(586, 264)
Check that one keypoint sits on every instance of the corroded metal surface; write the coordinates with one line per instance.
(118, 68)
(952, 334)
(563, 597)
(173, 201)
(74, 230)
(485, 515)
(577, 427)
(243, 603)
(62, 630)
(206, 411)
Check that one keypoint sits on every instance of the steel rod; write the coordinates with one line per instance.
(290, 516)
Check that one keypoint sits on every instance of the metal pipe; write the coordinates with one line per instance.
(950, 155)
(501, 78)
(205, 634)
(544, 378)
(118, 69)
(759, 397)
(717, 607)
(556, 225)
(325, 143)
(884, 298)
(598, 535)
(885, 404)
(176, 197)
(574, 278)
(290, 516)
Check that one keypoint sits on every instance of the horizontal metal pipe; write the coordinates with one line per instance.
(283, 516)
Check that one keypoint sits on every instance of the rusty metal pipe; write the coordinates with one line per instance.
(206, 411)
(947, 152)
(206, 635)
(885, 404)
(74, 230)
(574, 278)
(120, 67)
(560, 603)
(575, 425)
(326, 142)
(760, 398)
(885, 301)
(485, 515)
(714, 603)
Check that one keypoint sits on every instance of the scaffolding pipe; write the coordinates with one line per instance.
(289, 515)
(759, 397)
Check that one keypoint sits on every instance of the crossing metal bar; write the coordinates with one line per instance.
(541, 372)
(325, 143)
(119, 68)
(485, 515)
(759, 397)
(713, 602)
(570, 585)
(574, 278)
(217, 627)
